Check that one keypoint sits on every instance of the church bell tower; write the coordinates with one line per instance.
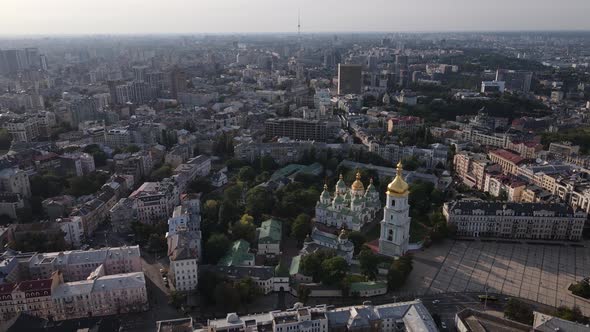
(395, 226)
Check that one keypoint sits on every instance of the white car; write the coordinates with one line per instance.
(435, 301)
(443, 325)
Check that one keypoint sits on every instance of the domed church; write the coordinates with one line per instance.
(350, 208)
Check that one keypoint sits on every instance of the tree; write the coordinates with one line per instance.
(157, 242)
(244, 229)
(228, 213)
(311, 264)
(581, 289)
(100, 157)
(267, 163)
(161, 173)
(303, 293)
(358, 239)
(226, 297)
(399, 272)
(247, 174)
(248, 290)
(176, 299)
(200, 185)
(574, 314)
(216, 247)
(519, 311)
(369, 263)
(259, 201)
(301, 227)
(333, 270)
(208, 280)
(5, 139)
(232, 194)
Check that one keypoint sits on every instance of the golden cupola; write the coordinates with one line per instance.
(357, 185)
(398, 186)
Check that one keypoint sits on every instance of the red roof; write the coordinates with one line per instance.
(7, 288)
(512, 157)
(34, 285)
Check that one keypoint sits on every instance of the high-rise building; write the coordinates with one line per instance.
(349, 79)
(177, 82)
(395, 226)
(515, 80)
(295, 128)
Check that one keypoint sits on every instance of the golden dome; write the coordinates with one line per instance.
(357, 184)
(398, 186)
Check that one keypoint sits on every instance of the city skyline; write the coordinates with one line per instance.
(240, 16)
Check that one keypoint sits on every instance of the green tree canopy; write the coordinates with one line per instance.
(259, 201)
(369, 263)
(334, 270)
(216, 247)
(247, 174)
(301, 227)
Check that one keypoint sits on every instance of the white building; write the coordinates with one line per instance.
(395, 226)
(492, 86)
(319, 240)
(154, 201)
(184, 257)
(14, 180)
(392, 317)
(349, 208)
(72, 229)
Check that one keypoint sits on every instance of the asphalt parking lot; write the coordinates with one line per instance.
(540, 273)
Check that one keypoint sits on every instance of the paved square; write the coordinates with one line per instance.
(540, 273)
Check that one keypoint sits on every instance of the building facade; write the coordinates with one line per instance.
(515, 220)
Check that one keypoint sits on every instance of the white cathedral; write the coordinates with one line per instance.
(395, 226)
(352, 208)
(348, 208)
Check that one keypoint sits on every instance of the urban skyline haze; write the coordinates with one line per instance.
(244, 16)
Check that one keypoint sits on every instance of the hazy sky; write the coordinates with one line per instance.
(170, 16)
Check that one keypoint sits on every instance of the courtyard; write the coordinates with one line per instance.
(538, 272)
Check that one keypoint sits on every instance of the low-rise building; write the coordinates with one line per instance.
(238, 255)
(269, 237)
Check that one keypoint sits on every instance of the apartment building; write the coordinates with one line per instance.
(508, 161)
(515, 220)
(23, 129)
(14, 180)
(155, 201)
(471, 168)
(296, 128)
(78, 264)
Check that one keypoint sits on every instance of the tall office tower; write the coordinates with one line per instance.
(401, 59)
(15, 61)
(43, 62)
(33, 59)
(140, 72)
(140, 92)
(349, 79)
(177, 81)
(515, 80)
(3, 64)
(113, 91)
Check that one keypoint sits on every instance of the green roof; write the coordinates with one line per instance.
(294, 269)
(286, 171)
(367, 285)
(237, 255)
(270, 231)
